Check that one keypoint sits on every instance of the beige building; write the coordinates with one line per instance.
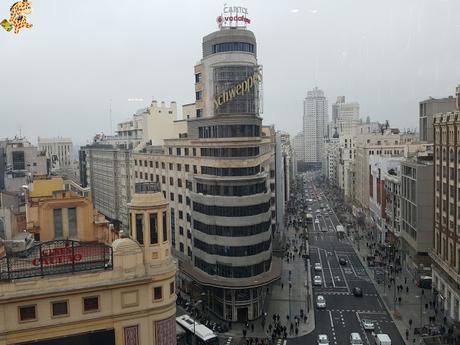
(56, 213)
(387, 144)
(446, 241)
(86, 292)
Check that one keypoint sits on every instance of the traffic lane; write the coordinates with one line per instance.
(324, 324)
(349, 324)
(342, 300)
(327, 273)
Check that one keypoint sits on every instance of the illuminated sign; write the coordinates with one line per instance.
(57, 256)
(233, 16)
(239, 89)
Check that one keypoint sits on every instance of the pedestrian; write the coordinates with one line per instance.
(252, 327)
(282, 285)
(244, 332)
(407, 289)
(296, 331)
(407, 334)
(405, 280)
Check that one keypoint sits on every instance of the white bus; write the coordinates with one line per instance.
(194, 330)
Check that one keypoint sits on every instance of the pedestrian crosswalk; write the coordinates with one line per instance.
(342, 293)
(229, 341)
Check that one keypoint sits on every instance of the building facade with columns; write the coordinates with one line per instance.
(71, 291)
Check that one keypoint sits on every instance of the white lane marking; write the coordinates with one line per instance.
(362, 327)
(352, 267)
(330, 271)
(332, 322)
(380, 304)
(322, 267)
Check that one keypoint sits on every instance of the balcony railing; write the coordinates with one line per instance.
(147, 187)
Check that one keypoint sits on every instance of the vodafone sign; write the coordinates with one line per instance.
(233, 16)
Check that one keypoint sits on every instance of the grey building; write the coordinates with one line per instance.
(220, 181)
(417, 211)
(427, 109)
(20, 162)
(109, 177)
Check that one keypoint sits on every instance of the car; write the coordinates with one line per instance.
(368, 325)
(318, 211)
(357, 292)
(317, 281)
(316, 221)
(322, 339)
(309, 209)
(318, 266)
(324, 229)
(320, 302)
(343, 261)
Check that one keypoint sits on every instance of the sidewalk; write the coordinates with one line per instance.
(415, 302)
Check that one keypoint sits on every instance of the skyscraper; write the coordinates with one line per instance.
(315, 118)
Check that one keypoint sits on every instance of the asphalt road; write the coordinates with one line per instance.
(343, 312)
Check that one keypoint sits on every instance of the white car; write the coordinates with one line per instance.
(309, 209)
(318, 266)
(317, 281)
(368, 325)
(320, 302)
(322, 339)
(316, 221)
(318, 211)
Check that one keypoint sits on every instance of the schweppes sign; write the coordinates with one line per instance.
(237, 90)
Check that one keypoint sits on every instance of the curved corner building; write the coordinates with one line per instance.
(232, 197)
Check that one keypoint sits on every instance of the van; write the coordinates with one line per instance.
(382, 339)
(355, 339)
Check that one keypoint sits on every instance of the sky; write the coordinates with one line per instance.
(82, 57)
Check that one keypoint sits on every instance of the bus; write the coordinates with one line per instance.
(340, 231)
(195, 330)
(309, 218)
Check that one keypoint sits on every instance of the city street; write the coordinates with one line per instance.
(344, 312)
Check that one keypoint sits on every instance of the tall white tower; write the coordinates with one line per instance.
(315, 119)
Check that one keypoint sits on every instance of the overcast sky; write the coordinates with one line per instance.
(58, 78)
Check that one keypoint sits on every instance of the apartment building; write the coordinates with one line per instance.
(446, 241)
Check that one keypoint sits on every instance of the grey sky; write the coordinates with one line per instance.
(58, 77)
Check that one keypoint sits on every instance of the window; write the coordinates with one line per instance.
(72, 216)
(171, 166)
(27, 313)
(170, 150)
(194, 151)
(57, 218)
(171, 181)
(186, 151)
(178, 151)
(90, 304)
(232, 46)
(171, 288)
(189, 217)
(162, 165)
(179, 182)
(163, 179)
(153, 228)
(197, 77)
(151, 164)
(135, 162)
(187, 201)
(179, 196)
(179, 167)
(186, 167)
(195, 170)
(141, 175)
(171, 196)
(199, 112)
(60, 308)
(181, 215)
(165, 227)
(151, 177)
(135, 174)
(181, 230)
(157, 293)
(139, 228)
(156, 165)
(198, 95)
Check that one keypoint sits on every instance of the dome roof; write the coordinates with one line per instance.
(125, 246)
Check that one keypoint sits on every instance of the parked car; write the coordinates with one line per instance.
(320, 302)
(317, 281)
(318, 266)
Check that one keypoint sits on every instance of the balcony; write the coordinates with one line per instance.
(454, 276)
